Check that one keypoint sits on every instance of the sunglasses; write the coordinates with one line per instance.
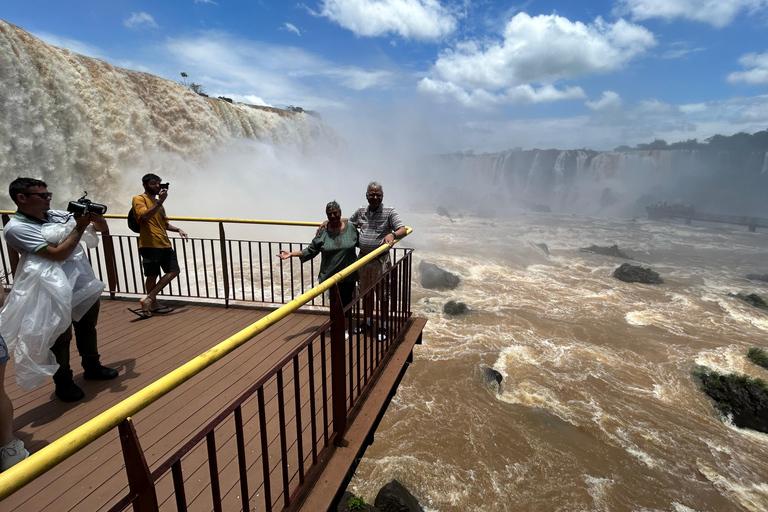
(41, 195)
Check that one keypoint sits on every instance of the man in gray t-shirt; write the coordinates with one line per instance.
(24, 234)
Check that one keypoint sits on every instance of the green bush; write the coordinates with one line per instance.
(758, 356)
(356, 503)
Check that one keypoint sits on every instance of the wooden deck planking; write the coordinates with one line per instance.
(144, 351)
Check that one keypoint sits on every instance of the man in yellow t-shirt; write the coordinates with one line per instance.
(154, 245)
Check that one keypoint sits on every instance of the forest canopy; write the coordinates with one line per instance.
(739, 142)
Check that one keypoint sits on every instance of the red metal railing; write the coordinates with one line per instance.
(281, 429)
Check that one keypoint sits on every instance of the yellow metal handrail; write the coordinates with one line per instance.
(212, 219)
(16, 477)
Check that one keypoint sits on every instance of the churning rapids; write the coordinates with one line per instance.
(598, 409)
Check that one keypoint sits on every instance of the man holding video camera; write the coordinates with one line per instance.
(154, 245)
(24, 232)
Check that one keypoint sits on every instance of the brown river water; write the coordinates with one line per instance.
(598, 410)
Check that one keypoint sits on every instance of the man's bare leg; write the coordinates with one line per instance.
(164, 281)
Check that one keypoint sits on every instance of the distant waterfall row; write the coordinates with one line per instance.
(82, 122)
(623, 183)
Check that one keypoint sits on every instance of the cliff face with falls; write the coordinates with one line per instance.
(622, 183)
(81, 122)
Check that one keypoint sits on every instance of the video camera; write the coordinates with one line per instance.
(85, 206)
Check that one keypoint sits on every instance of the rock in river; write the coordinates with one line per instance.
(636, 274)
(454, 308)
(606, 251)
(435, 277)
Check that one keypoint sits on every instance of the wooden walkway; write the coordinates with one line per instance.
(143, 351)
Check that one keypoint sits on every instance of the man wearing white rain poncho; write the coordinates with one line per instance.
(54, 289)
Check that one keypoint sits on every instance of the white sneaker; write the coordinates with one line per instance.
(12, 453)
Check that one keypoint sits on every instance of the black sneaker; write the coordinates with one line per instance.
(100, 373)
(68, 391)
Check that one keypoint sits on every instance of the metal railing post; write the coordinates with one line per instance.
(338, 368)
(225, 270)
(139, 477)
(110, 262)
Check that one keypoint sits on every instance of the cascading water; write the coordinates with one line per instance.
(81, 123)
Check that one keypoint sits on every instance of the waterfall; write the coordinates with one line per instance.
(624, 183)
(80, 122)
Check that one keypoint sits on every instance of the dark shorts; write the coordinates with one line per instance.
(154, 259)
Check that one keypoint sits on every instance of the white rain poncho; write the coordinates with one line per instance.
(46, 297)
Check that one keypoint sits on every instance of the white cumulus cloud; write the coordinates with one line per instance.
(483, 99)
(757, 72)
(608, 101)
(544, 48)
(535, 53)
(412, 19)
(717, 13)
(140, 20)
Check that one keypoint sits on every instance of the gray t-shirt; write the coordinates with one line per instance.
(25, 234)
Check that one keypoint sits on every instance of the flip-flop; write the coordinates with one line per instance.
(141, 313)
(163, 310)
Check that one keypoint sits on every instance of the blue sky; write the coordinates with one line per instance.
(437, 75)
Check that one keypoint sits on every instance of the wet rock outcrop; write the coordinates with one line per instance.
(637, 274)
(743, 398)
(434, 277)
(492, 375)
(454, 308)
(606, 251)
(752, 299)
(393, 497)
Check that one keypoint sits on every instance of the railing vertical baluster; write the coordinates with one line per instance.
(178, 487)
(194, 261)
(357, 364)
(264, 450)
(186, 267)
(272, 274)
(312, 408)
(205, 268)
(215, 272)
(297, 400)
(169, 288)
(242, 268)
(338, 370)
(242, 463)
(324, 386)
(139, 478)
(250, 264)
(213, 466)
(261, 273)
(293, 294)
(283, 435)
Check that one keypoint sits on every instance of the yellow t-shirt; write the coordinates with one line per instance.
(154, 231)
